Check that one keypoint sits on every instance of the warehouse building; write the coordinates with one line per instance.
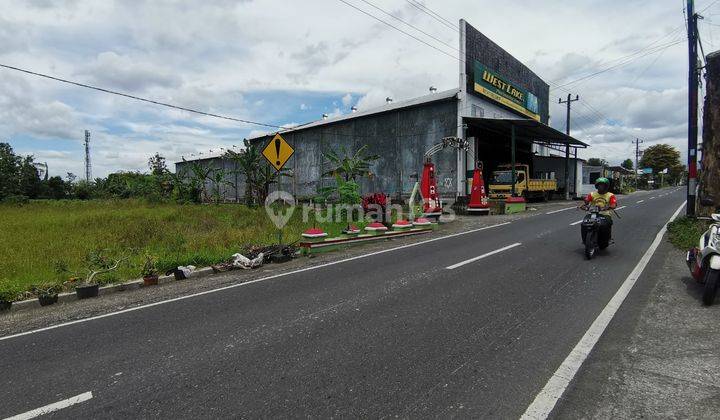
(500, 106)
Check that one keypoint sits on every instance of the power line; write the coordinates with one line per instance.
(433, 15)
(410, 25)
(633, 54)
(138, 98)
(622, 64)
(708, 6)
(398, 29)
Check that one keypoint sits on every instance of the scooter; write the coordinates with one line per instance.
(704, 261)
(589, 231)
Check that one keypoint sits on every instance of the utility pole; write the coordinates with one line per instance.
(637, 159)
(568, 101)
(88, 167)
(692, 107)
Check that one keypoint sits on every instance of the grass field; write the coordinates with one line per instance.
(36, 235)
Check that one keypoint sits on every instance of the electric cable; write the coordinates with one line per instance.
(433, 15)
(138, 98)
(410, 25)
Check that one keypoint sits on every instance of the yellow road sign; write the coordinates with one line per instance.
(278, 152)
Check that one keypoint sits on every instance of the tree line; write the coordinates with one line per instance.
(196, 182)
(20, 181)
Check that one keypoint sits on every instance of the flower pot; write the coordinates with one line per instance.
(46, 300)
(150, 280)
(5, 306)
(88, 291)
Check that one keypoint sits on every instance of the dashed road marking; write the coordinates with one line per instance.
(558, 211)
(640, 201)
(53, 407)
(497, 251)
(247, 283)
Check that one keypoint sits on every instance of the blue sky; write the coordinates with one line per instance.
(285, 62)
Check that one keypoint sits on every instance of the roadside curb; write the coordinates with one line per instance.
(106, 290)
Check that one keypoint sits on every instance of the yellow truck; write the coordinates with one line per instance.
(501, 184)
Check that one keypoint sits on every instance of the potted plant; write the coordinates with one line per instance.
(97, 264)
(375, 206)
(149, 271)
(7, 297)
(47, 293)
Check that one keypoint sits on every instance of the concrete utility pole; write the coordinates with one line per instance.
(88, 166)
(692, 107)
(637, 159)
(568, 101)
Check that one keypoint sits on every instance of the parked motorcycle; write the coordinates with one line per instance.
(704, 261)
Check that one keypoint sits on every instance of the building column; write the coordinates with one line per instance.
(512, 158)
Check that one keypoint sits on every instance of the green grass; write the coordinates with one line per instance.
(685, 232)
(35, 235)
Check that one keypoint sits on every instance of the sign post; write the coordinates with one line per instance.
(278, 152)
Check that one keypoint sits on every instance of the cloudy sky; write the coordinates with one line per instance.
(287, 62)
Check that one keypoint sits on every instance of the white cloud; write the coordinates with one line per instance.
(211, 55)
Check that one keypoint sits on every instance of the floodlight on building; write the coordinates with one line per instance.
(353, 109)
(325, 116)
(433, 89)
(388, 100)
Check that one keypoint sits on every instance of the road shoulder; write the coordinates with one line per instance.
(659, 356)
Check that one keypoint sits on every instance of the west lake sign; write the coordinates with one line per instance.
(492, 85)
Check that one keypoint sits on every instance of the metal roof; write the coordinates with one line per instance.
(420, 100)
(526, 129)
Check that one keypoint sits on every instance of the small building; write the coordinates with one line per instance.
(500, 107)
(553, 167)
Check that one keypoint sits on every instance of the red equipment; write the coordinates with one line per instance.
(432, 206)
(428, 188)
(478, 198)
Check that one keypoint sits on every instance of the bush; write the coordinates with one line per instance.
(9, 293)
(16, 199)
(685, 232)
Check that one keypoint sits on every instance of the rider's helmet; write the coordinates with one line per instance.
(602, 181)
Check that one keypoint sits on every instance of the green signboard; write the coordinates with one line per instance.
(500, 89)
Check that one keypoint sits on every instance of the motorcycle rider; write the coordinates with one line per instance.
(606, 201)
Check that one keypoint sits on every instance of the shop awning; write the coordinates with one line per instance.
(525, 129)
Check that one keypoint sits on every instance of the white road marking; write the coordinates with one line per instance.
(232, 286)
(640, 201)
(576, 223)
(620, 208)
(558, 211)
(480, 257)
(545, 401)
(652, 198)
(53, 407)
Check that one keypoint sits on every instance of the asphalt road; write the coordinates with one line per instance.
(391, 334)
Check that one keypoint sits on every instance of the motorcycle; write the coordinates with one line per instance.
(704, 261)
(590, 228)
